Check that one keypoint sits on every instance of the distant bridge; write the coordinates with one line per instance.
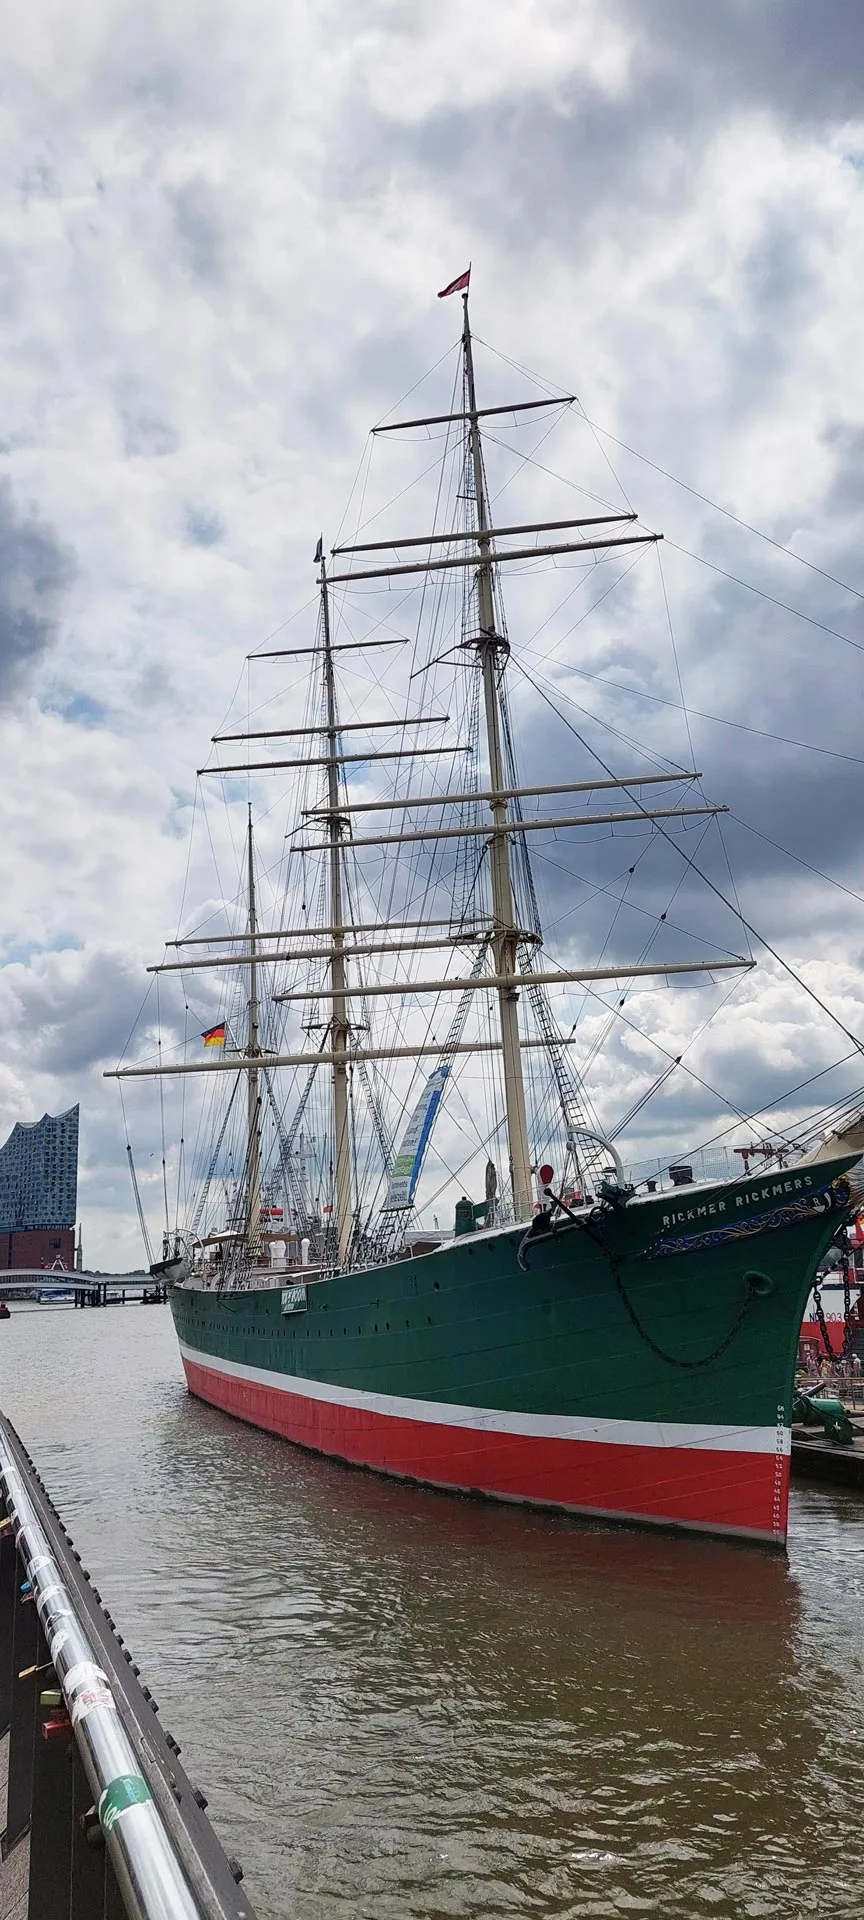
(88, 1289)
(67, 1277)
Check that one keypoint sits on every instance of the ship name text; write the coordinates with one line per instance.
(799, 1183)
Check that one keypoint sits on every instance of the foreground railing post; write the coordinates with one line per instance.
(8, 1567)
(28, 1650)
(94, 1893)
(116, 1827)
(51, 1819)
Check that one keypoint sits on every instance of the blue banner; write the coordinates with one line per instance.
(409, 1160)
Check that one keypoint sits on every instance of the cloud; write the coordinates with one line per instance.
(36, 572)
(200, 229)
(203, 527)
(808, 67)
(147, 433)
(76, 1009)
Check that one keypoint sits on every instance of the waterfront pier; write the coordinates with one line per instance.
(101, 1820)
(54, 1286)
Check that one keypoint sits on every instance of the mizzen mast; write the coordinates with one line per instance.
(253, 1055)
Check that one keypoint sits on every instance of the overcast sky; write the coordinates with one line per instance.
(222, 232)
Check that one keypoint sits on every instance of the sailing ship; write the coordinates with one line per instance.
(621, 1350)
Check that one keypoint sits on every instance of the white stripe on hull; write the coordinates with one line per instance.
(546, 1426)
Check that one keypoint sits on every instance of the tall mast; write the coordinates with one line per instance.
(253, 1053)
(505, 935)
(339, 1028)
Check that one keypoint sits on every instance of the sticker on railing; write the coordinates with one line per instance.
(92, 1697)
(128, 1790)
(84, 1674)
(47, 1594)
(53, 1605)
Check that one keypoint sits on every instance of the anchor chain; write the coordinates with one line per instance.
(843, 1240)
(687, 1366)
(671, 1359)
(823, 1324)
(594, 1226)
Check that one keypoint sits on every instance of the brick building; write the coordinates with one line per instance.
(39, 1192)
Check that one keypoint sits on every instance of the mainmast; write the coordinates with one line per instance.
(253, 1054)
(339, 1027)
(492, 650)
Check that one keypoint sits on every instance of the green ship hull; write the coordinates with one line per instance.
(634, 1364)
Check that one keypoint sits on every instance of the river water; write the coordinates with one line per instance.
(401, 1703)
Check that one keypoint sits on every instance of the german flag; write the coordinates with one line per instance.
(215, 1036)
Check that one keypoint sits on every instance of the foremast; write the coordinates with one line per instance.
(339, 1026)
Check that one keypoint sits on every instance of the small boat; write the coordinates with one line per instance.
(176, 1261)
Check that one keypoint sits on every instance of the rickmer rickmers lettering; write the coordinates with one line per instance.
(581, 1341)
(800, 1183)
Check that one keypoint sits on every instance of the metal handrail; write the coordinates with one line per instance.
(149, 1873)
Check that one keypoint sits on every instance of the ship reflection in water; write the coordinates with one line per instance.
(402, 1703)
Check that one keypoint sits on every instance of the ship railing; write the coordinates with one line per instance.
(115, 1825)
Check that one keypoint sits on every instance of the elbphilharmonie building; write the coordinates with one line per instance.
(39, 1192)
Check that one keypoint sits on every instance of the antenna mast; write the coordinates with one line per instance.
(492, 651)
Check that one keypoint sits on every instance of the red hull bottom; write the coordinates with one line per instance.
(743, 1494)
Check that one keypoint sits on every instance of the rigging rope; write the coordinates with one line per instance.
(726, 511)
(713, 888)
(214, 1161)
